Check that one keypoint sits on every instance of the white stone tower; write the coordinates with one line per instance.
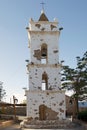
(45, 99)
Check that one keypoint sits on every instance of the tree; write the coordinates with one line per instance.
(2, 91)
(76, 79)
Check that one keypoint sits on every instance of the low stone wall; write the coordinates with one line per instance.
(6, 117)
(83, 124)
(10, 110)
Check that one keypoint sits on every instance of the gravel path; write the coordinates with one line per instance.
(12, 127)
(17, 127)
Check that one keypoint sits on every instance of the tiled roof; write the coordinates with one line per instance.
(43, 17)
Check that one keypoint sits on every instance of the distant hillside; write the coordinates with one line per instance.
(82, 104)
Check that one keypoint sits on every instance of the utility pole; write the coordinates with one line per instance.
(14, 102)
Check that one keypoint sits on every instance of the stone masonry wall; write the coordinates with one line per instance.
(54, 102)
(35, 76)
(39, 38)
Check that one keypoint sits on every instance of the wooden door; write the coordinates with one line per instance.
(42, 114)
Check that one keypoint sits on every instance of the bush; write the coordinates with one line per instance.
(0, 112)
(82, 115)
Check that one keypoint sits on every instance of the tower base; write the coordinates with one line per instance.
(47, 124)
(46, 105)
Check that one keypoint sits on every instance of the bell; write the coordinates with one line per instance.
(44, 54)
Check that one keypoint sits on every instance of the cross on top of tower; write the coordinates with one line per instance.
(42, 5)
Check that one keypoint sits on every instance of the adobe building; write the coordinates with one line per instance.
(45, 99)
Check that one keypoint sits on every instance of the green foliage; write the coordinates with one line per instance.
(82, 115)
(76, 79)
(0, 112)
(2, 91)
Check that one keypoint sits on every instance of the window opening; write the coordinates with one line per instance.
(44, 53)
(43, 61)
(43, 85)
(44, 81)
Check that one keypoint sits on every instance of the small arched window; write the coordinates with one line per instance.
(44, 81)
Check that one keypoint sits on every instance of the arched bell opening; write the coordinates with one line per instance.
(44, 53)
(44, 81)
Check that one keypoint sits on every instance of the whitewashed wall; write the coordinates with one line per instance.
(52, 99)
(39, 33)
(37, 39)
(48, 36)
(35, 76)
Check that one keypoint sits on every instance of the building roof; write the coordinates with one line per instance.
(43, 17)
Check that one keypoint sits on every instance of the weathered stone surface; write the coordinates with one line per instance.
(52, 26)
(37, 25)
(44, 72)
(51, 124)
(37, 54)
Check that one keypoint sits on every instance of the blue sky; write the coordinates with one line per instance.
(14, 18)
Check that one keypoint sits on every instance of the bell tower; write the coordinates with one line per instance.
(44, 94)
